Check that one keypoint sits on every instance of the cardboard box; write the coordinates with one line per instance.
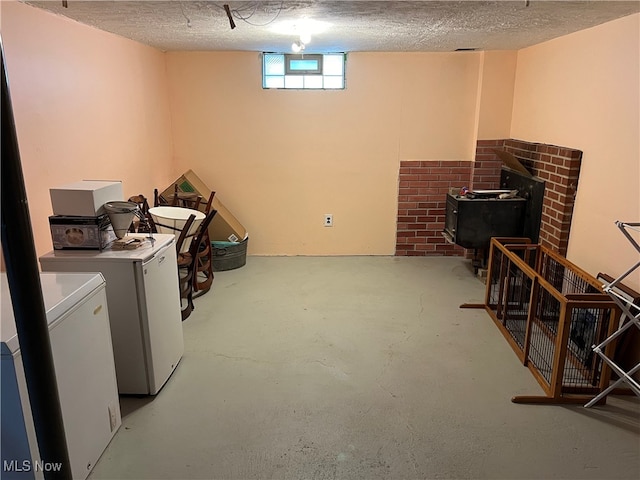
(224, 225)
(81, 233)
(85, 198)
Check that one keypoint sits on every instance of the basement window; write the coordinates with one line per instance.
(303, 71)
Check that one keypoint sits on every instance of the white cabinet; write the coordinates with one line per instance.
(78, 318)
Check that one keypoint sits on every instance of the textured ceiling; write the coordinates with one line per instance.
(352, 25)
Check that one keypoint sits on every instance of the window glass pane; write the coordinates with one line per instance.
(274, 82)
(316, 71)
(273, 64)
(293, 81)
(333, 64)
(313, 81)
(333, 82)
(303, 65)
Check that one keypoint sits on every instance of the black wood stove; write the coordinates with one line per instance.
(472, 219)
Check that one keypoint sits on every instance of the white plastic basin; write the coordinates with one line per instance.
(173, 220)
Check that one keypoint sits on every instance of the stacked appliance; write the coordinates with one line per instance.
(79, 219)
(142, 285)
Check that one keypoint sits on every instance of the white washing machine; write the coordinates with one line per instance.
(78, 318)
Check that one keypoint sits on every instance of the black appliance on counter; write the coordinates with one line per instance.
(472, 219)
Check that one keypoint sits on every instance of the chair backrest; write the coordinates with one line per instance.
(207, 207)
(201, 233)
(185, 199)
(145, 225)
(183, 233)
(142, 202)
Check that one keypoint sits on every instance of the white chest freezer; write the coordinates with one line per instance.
(78, 319)
(144, 308)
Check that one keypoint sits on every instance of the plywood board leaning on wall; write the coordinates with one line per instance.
(225, 226)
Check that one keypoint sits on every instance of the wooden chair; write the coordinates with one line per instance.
(188, 262)
(185, 271)
(158, 199)
(142, 226)
(185, 199)
(203, 274)
(203, 277)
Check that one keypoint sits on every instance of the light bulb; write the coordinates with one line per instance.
(296, 47)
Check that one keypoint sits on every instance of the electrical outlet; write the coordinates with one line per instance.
(328, 219)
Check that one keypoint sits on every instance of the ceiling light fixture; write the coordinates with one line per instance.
(297, 46)
(300, 27)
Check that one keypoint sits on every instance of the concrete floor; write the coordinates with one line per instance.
(358, 368)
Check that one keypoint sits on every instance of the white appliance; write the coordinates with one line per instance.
(77, 314)
(144, 307)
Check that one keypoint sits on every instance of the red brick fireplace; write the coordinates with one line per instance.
(423, 186)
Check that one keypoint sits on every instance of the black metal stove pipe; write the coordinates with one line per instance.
(28, 304)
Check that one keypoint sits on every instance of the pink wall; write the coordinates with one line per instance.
(282, 159)
(582, 91)
(495, 94)
(87, 105)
